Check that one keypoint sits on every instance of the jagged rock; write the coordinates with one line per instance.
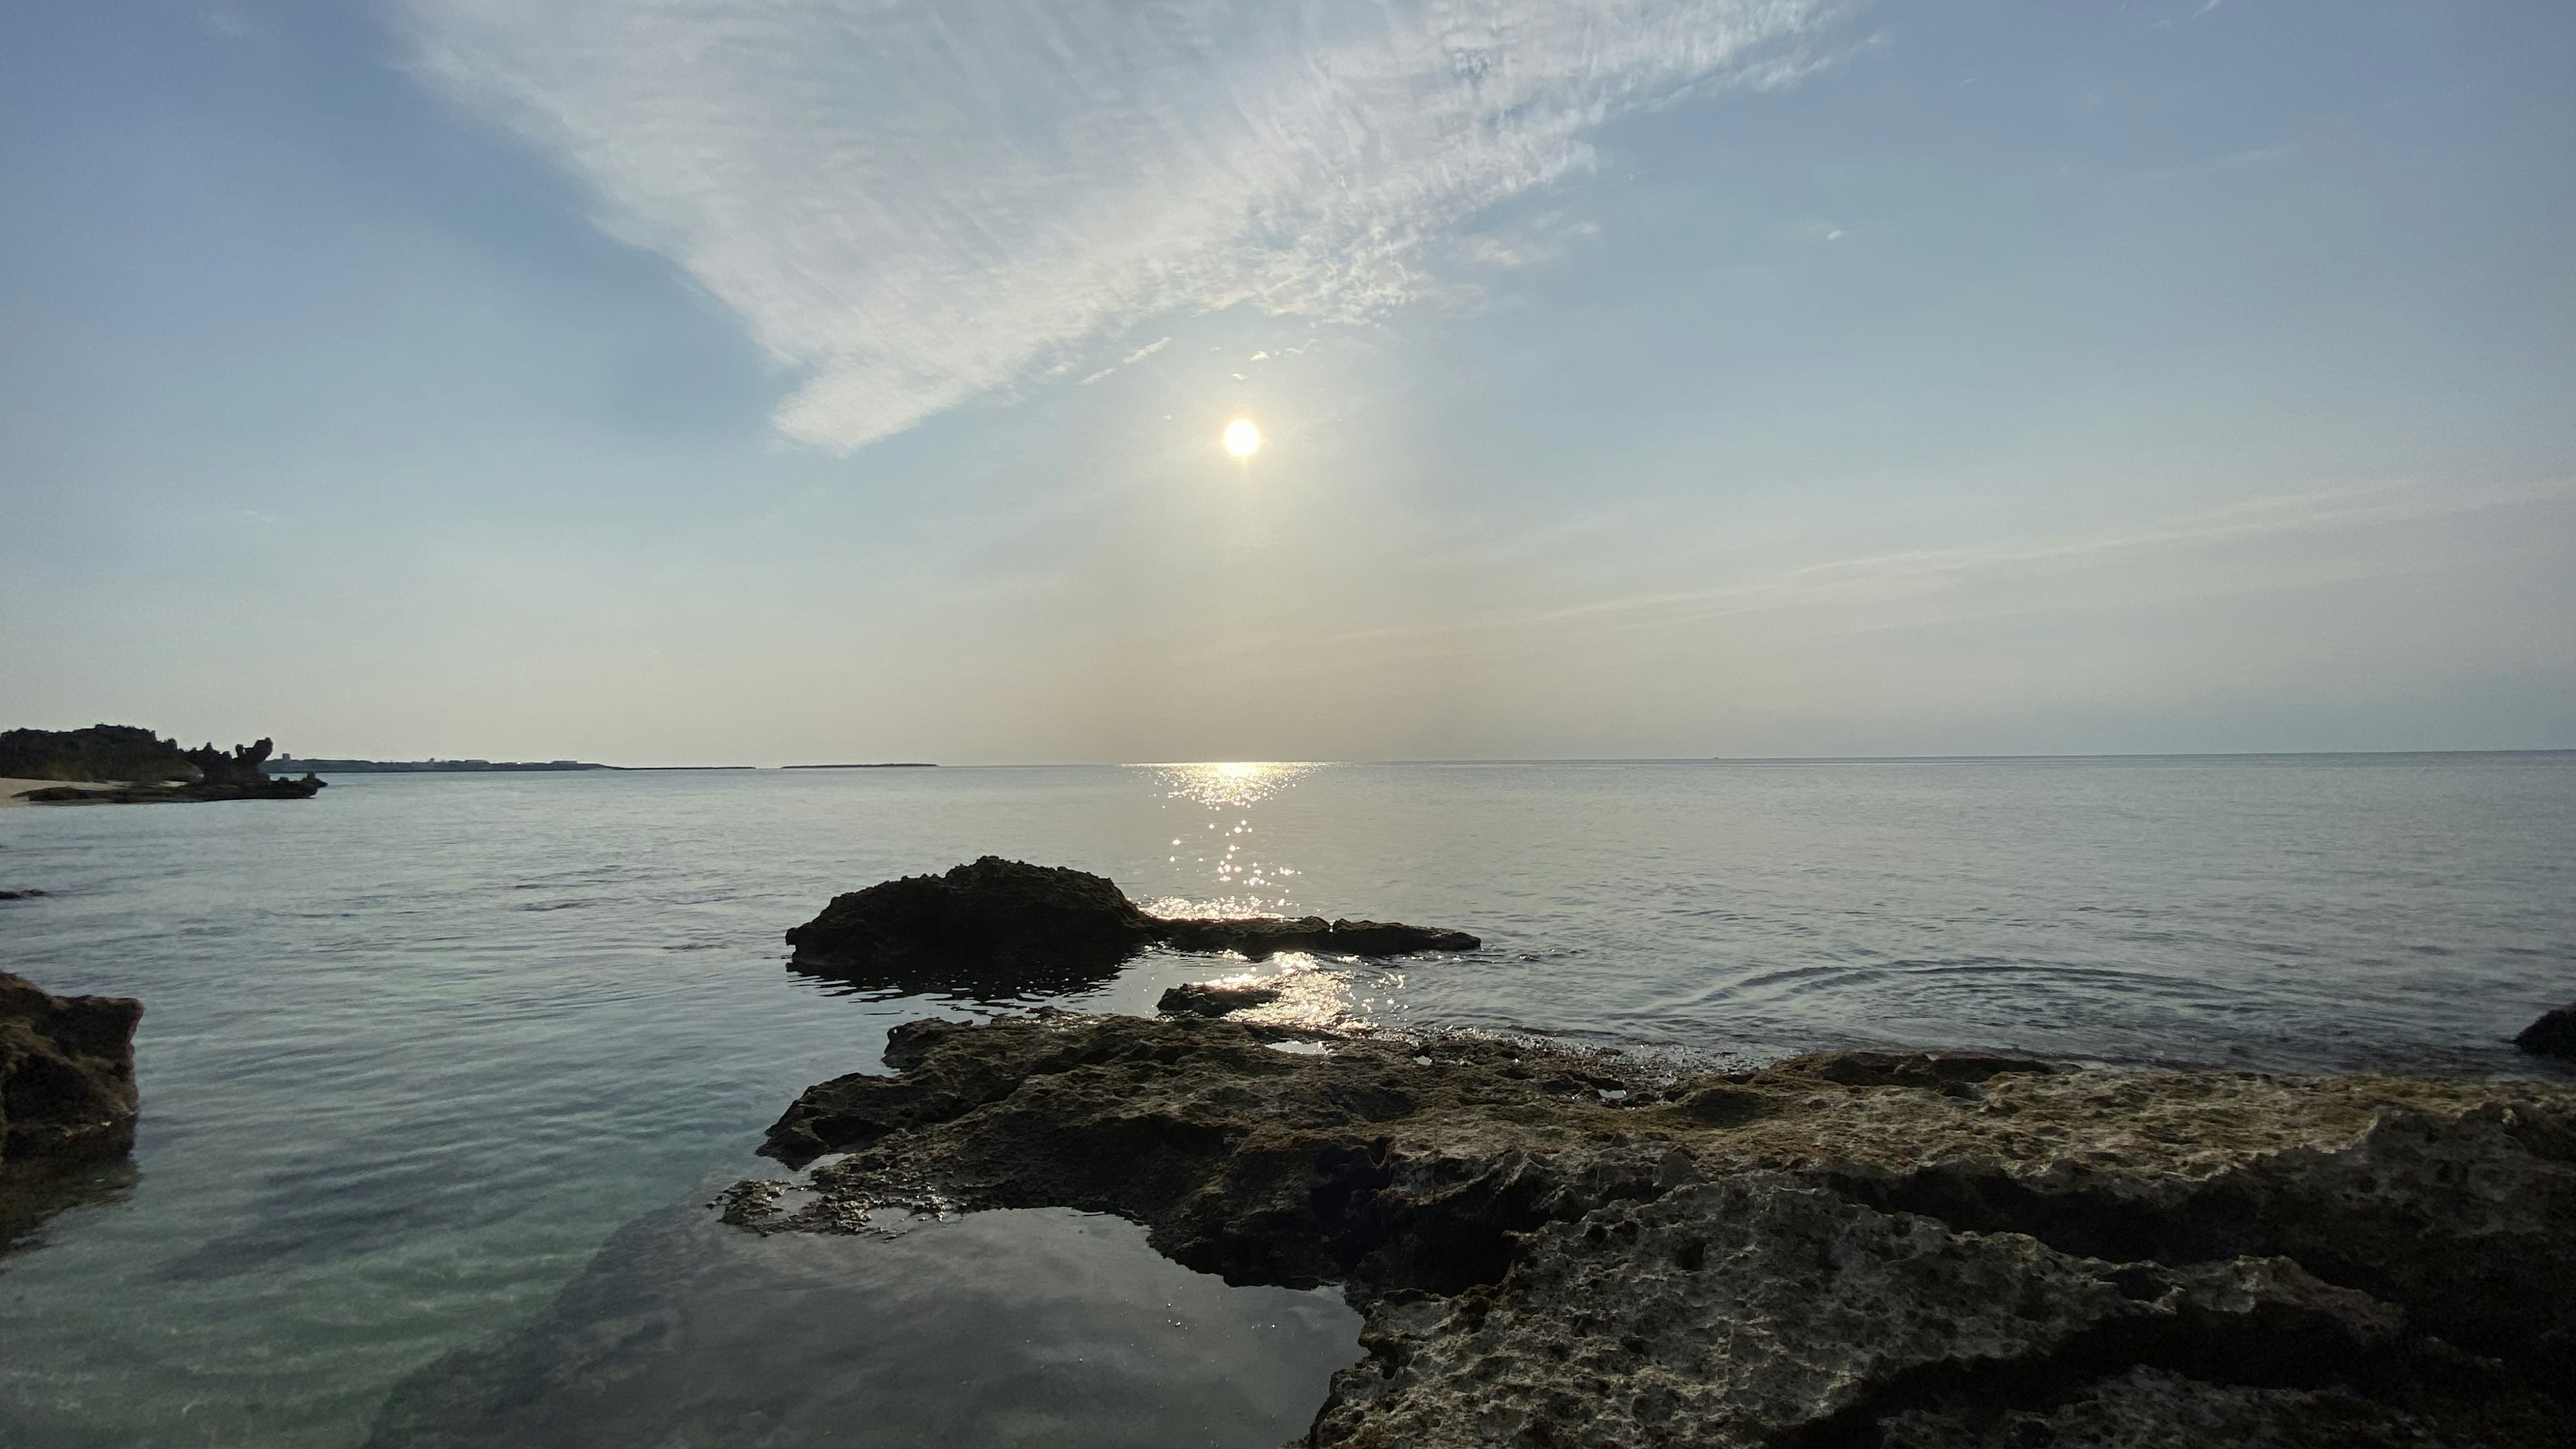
(1004, 926)
(154, 770)
(1563, 1249)
(66, 1073)
(1207, 998)
(2554, 1035)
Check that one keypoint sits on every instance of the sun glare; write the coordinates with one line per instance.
(1242, 439)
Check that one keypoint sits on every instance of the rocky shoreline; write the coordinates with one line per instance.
(128, 765)
(1561, 1249)
(174, 794)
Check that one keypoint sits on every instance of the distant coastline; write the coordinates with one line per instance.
(298, 764)
(289, 763)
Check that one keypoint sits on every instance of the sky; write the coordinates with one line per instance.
(675, 381)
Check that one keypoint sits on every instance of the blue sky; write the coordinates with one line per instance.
(837, 380)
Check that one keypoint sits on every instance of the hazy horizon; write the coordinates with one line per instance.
(706, 383)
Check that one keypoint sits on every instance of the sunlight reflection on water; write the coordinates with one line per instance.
(398, 1092)
(1229, 791)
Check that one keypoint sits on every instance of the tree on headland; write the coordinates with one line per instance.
(123, 752)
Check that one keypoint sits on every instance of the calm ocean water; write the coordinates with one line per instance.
(436, 1069)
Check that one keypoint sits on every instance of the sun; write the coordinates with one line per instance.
(1242, 439)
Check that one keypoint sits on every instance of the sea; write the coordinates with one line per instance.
(439, 1072)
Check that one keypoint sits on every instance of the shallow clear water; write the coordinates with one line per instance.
(414, 1052)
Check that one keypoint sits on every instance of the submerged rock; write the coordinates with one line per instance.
(1003, 925)
(1848, 1249)
(66, 1073)
(2554, 1035)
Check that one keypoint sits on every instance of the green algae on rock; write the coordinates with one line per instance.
(1560, 1249)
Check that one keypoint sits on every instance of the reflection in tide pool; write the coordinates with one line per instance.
(1041, 1328)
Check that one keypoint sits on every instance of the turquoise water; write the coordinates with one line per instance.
(416, 1052)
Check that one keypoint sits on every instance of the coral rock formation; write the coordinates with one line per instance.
(66, 1073)
(1558, 1249)
(155, 770)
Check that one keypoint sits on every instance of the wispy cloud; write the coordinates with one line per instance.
(915, 203)
(2176, 557)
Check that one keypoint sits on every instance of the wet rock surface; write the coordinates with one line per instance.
(2553, 1035)
(278, 788)
(1002, 925)
(1214, 998)
(1565, 1249)
(66, 1073)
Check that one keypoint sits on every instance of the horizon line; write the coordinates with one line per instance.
(1660, 759)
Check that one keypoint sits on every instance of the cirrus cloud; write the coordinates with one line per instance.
(910, 205)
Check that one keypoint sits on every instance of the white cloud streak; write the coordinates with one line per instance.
(913, 204)
(2173, 559)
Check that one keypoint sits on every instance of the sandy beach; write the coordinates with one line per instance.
(13, 791)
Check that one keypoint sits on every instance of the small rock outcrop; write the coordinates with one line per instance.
(1004, 925)
(1214, 998)
(66, 1073)
(1906, 1251)
(2554, 1035)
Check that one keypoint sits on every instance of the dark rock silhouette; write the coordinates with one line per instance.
(2553, 1035)
(152, 770)
(19, 895)
(1003, 926)
(101, 752)
(1926, 1251)
(1208, 998)
(66, 1073)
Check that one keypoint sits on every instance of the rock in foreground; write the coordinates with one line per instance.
(66, 1073)
(2554, 1035)
(1849, 1249)
(1005, 925)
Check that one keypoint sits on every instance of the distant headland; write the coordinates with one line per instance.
(284, 764)
(128, 765)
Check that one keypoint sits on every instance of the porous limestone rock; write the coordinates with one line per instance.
(66, 1073)
(1564, 1249)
